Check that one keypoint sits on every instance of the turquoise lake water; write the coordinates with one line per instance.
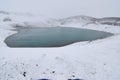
(52, 36)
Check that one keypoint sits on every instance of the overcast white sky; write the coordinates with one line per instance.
(64, 8)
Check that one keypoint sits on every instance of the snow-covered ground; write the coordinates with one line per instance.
(95, 60)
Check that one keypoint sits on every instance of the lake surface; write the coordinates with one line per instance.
(52, 36)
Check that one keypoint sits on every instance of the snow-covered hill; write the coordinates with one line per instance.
(81, 20)
(86, 20)
(115, 21)
(32, 20)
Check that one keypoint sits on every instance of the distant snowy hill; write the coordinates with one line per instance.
(32, 20)
(110, 21)
(86, 20)
(81, 20)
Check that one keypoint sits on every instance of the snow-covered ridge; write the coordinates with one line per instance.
(110, 21)
(78, 19)
(86, 20)
(28, 19)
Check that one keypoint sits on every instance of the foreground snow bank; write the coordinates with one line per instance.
(98, 60)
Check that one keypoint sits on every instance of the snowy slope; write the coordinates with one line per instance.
(81, 20)
(86, 20)
(110, 21)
